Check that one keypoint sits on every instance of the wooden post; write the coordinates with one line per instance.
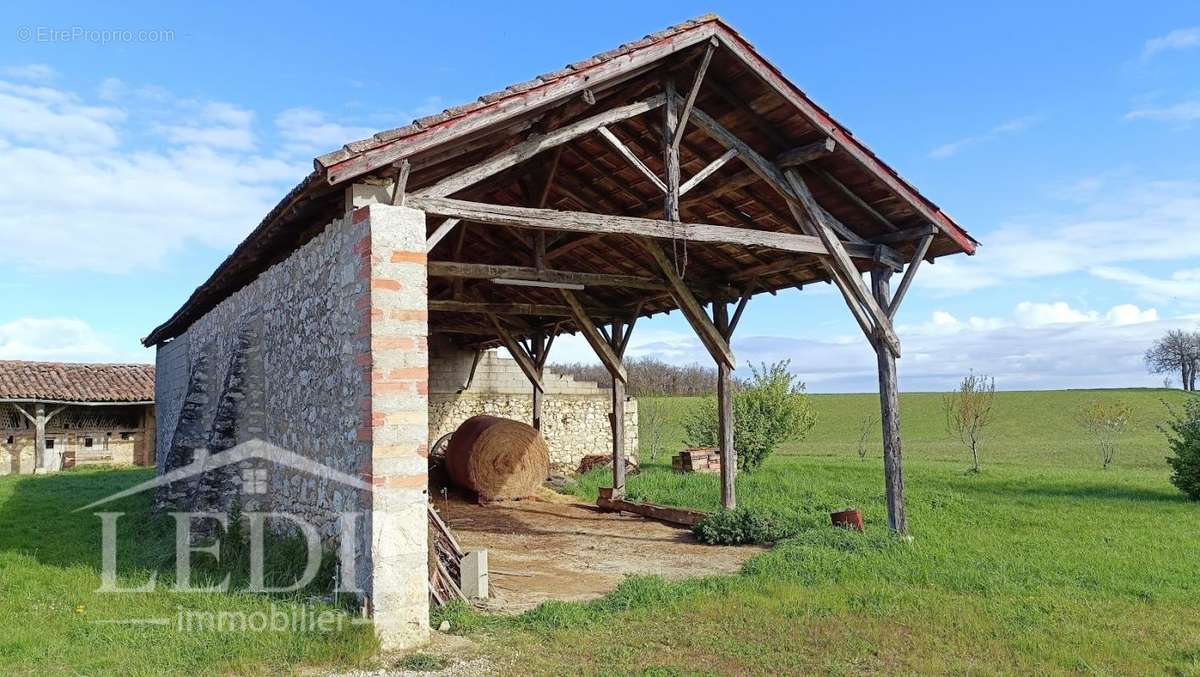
(889, 402)
(39, 437)
(618, 421)
(538, 341)
(725, 415)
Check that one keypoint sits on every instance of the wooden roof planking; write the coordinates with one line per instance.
(741, 93)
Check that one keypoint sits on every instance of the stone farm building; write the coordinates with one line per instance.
(681, 173)
(55, 415)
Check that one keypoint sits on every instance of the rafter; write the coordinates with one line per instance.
(487, 271)
(624, 152)
(686, 111)
(536, 144)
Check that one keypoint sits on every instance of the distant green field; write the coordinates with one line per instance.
(1043, 563)
(1031, 428)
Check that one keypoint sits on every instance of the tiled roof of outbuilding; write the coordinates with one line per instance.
(76, 382)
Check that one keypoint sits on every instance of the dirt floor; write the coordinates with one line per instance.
(541, 549)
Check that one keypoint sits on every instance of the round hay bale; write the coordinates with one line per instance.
(497, 458)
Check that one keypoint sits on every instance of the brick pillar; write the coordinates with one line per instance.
(394, 354)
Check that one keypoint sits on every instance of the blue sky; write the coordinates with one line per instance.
(1064, 137)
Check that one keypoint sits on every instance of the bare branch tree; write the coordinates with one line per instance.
(969, 412)
(866, 426)
(651, 424)
(1179, 352)
(1106, 421)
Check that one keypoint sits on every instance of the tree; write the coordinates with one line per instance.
(1176, 352)
(651, 424)
(866, 426)
(1106, 421)
(769, 408)
(1183, 434)
(969, 412)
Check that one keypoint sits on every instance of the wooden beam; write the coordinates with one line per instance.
(538, 354)
(681, 124)
(536, 144)
(524, 361)
(712, 339)
(401, 183)
(841, 261)
(587, 326)
(906, 235)
(441, 232)
(741, 307)
(680, 516)
(806, 153)
(624, 151)
(606, 224)
(889, 402)
(909, 274)
(708, 171)
(488, 271)
(487, 308)
(853, 197)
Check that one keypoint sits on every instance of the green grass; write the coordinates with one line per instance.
(49, 574)
(1042, 563)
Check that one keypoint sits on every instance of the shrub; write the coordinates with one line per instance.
(768, 409)
(1183, 434)
(1106, 421)
(740, 526)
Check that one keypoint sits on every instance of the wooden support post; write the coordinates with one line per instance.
(538, 343)
(889, 401)
(39, 437)
(618, 437)
(725, 415)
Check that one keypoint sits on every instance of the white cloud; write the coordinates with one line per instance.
(1010, 127)
(1113, 220)
(215, 125)
(38, 72)
(1180, 38)
(55, 339)
(1182, 285)
(305, 130)
(1182, 112)
(90, 194)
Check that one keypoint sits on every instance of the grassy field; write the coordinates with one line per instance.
(1044, 562)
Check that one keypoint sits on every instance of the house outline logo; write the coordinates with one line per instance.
(203, 461)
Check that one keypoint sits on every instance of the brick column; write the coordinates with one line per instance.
(395, 359)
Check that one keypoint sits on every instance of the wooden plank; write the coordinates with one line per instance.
(680, 128)
(909, 274)
(536, 144)
(841, 260)
(806, 153)
(524, 361)
(889, 402)
(441, 232)
(607, 224)
(712, 339)
(617, 422)
(605, 74)
(587, 326)
(662, 513)
(708, 170)
(488, 271)
(632, 159)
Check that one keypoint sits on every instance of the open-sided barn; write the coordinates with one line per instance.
(681, 172)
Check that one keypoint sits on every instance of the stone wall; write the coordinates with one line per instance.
(323, 357)
(117, 435)
(574, 413)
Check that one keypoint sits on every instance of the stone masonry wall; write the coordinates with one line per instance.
(574, 413)
(323, 356)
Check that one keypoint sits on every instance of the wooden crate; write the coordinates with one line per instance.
(697, 459)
